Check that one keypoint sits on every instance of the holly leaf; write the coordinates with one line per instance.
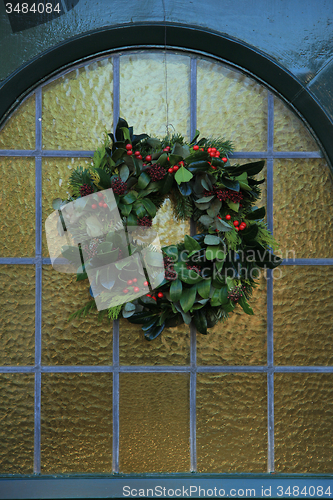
(183, 175)
(256, 214)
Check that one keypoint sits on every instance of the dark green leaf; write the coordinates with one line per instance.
(154, 331)
(215, 252)
(233, 206)
(185, 188)
(203, 288)
(149, 206)
(251, 168)
(124, 173)
(189, 276)
(125, 209)
(230, 184)
(200, 321)
(130, 197)
(139, 209)
(171, 251)
(191, 244)
(221, 225)
(257, 214)
(176, 290)
(188, 298)
(143, 180)
(167, 183)
(245, 306)
(214, 208)
(132, 220)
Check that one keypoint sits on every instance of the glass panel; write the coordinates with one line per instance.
(303, 208)
(303, 305)
(154, 422)
(144, 94)
(76, 426)
(19, 130)
(241, 339)
(17, 312)
(80, 341)
(17, 423)
(290, 134)
(231, 422)
(172, 347)
(17, 226)
(56, 173)
(303, 418)
(232, 106)
(170, 230)
(77, 108)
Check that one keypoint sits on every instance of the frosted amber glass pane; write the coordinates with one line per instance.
(17, 423)
(170, 230)
(80, 341)
(241, 340)
(56, 173)
(17, 198)
(77, 108)
(303, 419)
(19, 130)
(303, 306)
(154, 422)
(303, 208)
(17, 312)
(232, 106)
(172, 347)
(144, 94)
(231, 422)
(290, 134)
(76, 425)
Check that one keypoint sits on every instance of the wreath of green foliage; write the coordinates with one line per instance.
(207, 274)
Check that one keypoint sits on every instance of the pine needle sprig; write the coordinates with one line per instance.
(81, 313)
(183, 208)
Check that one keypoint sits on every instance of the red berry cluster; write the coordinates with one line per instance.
(170, 273)
(156, 172)
(224, 194)
(174, 169)
(159, 295)
(85, 190)
(145, 221)
(197, 269)
(132, 283)
(239, 226)
(137, 154)
(91, 248)
(101, 203)
(119, 187)
(236, 293)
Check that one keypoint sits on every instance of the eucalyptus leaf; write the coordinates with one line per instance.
(214, 208)
(210, 239)
(183, 175)
(206, 220)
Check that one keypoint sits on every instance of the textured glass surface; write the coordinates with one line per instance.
(80, 341)
(170, 230)
(17, 423)
(303, 207)
(172, 347)
(303, 419)
(154, 422)
(231, 422)
(303, 306)
(17, 312)
(17, 198)
(19, 130)
(76, 425)
(56, 173)
(241, 340)
(290, 134)
(77, 108)
(232, 106)
(146, 102)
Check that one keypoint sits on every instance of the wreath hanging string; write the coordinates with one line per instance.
(207, 275)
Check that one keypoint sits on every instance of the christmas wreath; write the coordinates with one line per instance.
(207, 275)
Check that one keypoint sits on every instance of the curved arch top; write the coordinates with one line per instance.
(170, 36)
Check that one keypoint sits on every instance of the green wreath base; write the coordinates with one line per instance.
(207, 274)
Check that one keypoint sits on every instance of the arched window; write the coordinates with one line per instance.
(81, 397)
